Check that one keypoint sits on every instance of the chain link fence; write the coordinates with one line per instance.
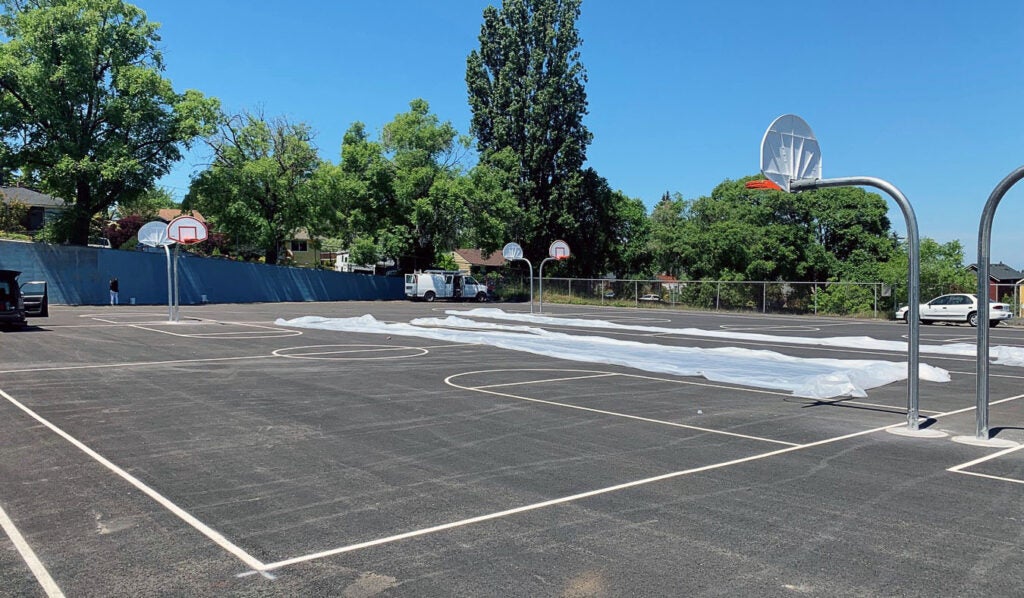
(857, 299)
(862, 299)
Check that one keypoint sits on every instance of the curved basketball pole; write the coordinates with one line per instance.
(984, 250)
(540, 278)
(913, 278)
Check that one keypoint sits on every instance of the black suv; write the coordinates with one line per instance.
(16, 303)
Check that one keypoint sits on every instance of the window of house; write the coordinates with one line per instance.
(300, 246)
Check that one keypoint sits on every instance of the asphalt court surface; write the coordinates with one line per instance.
(226, 455)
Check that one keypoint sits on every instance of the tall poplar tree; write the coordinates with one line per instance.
(526, 92)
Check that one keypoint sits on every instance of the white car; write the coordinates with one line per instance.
(651, 297)
(958, 307)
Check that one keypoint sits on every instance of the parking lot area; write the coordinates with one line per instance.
(235, 452)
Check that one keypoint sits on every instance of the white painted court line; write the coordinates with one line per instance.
(562, 500)
(135, 364)
(972, 373)
(449, 382)
(583, 495)
(962, 468)
(565, 379)
(34, 564)
(342, 355)
(268, 333)
(198, 525)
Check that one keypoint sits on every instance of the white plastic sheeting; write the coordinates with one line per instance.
(1013, 356)
(814, 378)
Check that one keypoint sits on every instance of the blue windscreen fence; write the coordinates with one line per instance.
(81, 276)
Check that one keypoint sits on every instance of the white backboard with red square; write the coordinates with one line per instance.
(187, 230)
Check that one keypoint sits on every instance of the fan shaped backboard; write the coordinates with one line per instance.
(790, 152)
(512, 251)
(154, 234)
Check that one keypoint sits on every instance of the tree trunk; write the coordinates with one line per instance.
(82, 214)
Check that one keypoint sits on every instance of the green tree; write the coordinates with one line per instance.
(526, 92)
(667, 242)
(942, 270)
(84, 109)
(148, 203)
(771, 235)
(12, 216)
(258, 189)
(410, 194)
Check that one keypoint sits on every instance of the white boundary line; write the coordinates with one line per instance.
(134, 364)
(963, 466)
(562, 500)
(185, 516)
(449, 382)
(38, 569)
(342, 355)
(268, 333)
(264, 568)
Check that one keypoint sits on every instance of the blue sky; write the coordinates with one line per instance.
(928, 95)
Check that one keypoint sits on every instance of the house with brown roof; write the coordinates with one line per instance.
(475, 261)
(168, 214)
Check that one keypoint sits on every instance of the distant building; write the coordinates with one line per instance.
(169, 214)
(41, 207)
(1002, 280)
(475, 261)
(343, 263)
(669, 282)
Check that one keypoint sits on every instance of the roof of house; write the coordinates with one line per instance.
(169, 214)
(1001, 272)
(476, 258)
(31, 198)
(666, 278)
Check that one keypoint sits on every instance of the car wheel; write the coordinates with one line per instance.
(993, 323)
(926, 322)
(972, 319)
(905, 317)
(429, 296)
(481, 297)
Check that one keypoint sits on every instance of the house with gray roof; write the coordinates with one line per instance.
(1002, 280)
(41, 207)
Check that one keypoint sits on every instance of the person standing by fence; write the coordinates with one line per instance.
(113, 291)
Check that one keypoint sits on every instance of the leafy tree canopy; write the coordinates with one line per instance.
(409, 194)
(768, 235)
(258, 189)
(84, 111)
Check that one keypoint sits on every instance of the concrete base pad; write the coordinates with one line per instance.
(919, 433)
(990, 442)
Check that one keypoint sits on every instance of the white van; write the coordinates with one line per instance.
(444, 284)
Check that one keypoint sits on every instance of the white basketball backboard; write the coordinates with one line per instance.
(790, 152)
(512, 251)
(154, 234)
(559, 250)
(186, 229)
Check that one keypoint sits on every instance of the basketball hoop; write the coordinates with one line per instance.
(762, 184)
(559, 250)
(187, 230)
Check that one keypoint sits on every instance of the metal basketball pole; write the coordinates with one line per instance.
(913, 278)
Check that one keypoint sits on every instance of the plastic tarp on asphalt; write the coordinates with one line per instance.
(1012, 356)
(804, 377)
